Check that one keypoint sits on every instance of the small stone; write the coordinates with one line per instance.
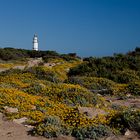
(1, 116)
(21, 120)
(99, 94)
(11, 109)
(9, 133)
(110, 101)
(67, 70)
(128, 95)
(29, 127)
(127, 133)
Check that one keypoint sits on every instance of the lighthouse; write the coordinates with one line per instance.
(35, 43)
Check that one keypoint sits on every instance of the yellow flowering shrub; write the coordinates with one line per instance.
(20, 80)
(63, 68)
(119, 89)
(53, 106)
(92, 83)
(6, 65)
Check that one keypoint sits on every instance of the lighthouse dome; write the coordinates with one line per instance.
(35, 36)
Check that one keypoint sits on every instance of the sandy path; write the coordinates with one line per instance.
(12, 131)
(130, 102)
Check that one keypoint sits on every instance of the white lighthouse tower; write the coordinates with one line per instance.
(35, 43)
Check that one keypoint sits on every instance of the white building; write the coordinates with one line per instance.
(35, 43)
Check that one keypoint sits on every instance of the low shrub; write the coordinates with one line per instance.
(94, 84)
(35, 89)
(71, 94)
(91, 132)
(128, 119)
(134, 88)
(11, 71)
(44, 74)
(52, 126)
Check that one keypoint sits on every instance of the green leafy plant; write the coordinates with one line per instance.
(91, 132)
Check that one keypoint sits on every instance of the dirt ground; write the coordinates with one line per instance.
(129, 102)
(12, 131)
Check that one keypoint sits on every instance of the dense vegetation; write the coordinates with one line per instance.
(69, 97)
(119, 68)
(18, 54)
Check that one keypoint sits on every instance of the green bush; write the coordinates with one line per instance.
(40, 73)
(11, 71)
(91, 132)
(119, 68)
(94, 84)
(129, 119)
(35, 89)
(134, 88)
(52, 126)
(49, 127)
(12, 54)
(126, 76)
(69, 57)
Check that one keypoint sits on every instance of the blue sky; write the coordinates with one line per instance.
(87, 27)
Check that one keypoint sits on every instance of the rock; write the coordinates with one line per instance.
(127, 133)
(34, 62)
(49, 64)
(1, 116)
(11, 109)
(67, 70)
(30, 127)
(21, 120)
(105, 105)
(110, 101)
(131, 135)
(128, 95)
